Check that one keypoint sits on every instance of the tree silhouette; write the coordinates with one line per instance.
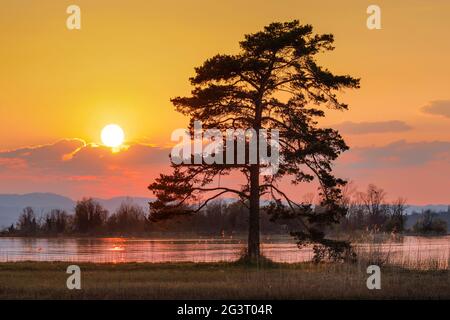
(27, 222)
(90, 216)
(274, 82)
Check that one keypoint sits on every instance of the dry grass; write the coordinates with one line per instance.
(381, 250)
(45, 280)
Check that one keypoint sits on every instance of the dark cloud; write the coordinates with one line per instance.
(74, 168)
(398, 154)
(44, 154)
(372, 127)
(438, 107)
(74, 157)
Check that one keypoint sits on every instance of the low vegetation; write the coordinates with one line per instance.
(46, 280)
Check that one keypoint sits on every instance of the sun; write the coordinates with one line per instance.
(112, 135)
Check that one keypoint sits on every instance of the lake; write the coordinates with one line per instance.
(407, 250)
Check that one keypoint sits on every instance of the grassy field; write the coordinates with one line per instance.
(46, 280)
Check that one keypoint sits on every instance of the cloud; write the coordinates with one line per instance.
(438, 107)
(72, 167)
(74, 156)
(398, 154)
(44, 153)
(417, 170)
(372, 127)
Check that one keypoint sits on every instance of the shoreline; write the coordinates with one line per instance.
(162, 235)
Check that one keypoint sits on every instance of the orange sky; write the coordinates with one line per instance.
(131, 57)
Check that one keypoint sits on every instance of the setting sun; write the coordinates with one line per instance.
(112, 135)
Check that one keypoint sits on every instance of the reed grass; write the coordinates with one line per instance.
(46, 280)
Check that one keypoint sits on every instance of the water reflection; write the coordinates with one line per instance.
(406, 250)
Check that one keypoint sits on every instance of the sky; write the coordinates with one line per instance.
(60, 87)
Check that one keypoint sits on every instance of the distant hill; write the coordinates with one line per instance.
(12, 204)
(35, 199)
(113, 203)
(432, 207)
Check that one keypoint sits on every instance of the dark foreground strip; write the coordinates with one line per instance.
(225, 309)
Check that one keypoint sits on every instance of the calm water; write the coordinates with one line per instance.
(116, 250)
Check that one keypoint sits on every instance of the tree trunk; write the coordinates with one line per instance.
(253, 222)
(253, 251)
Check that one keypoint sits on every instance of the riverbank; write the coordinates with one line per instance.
(47, 280)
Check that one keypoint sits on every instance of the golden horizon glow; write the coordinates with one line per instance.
(68, 75)
(112, 136)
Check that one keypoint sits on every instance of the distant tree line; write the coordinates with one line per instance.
(90, 218)
(367, 211)
(370, 211)
(430, 222)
